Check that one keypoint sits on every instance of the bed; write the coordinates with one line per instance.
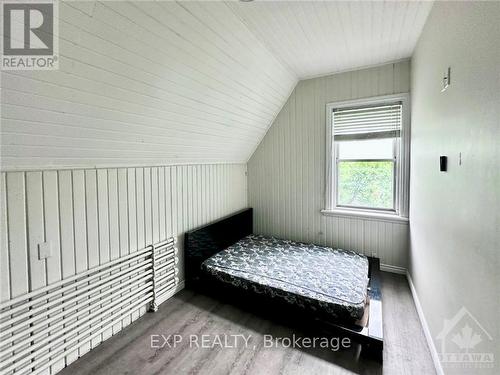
(339, 288)
(318, 278)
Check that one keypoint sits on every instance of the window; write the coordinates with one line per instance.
(367, 162)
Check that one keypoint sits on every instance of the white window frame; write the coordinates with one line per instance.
(402, 165)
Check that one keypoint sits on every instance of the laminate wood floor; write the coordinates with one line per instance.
(198, 317)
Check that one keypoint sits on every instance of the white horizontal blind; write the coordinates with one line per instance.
(381, 121)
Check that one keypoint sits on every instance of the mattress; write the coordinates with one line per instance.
(331, 281)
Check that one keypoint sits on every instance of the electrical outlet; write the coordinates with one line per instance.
(44, 250)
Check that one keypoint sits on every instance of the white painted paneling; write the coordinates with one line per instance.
(143, 83)
(66, 220)
(286, 174)
(93, 216)
(16, 233)
(36, 228)
(317, 38)
(5, 287)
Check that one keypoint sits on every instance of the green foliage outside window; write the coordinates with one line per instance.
(366, 184)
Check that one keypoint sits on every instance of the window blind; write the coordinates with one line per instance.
(381, 121)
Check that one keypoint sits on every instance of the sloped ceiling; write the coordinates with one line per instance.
(155, 83)
(144, 83)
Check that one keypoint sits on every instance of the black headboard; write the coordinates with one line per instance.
(200, 244)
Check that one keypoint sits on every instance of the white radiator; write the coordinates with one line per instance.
(42, 327)
(164, 272)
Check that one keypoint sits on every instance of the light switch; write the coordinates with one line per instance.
(446, 80)
(44, 250)
(443, 163)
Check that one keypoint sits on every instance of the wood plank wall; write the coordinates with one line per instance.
(286, 174)
(143, 83)
(92, 216)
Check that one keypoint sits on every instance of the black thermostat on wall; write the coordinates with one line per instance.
(443, 163)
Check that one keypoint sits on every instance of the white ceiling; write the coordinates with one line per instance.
(316, 38)
(155, 83)
(144, 83)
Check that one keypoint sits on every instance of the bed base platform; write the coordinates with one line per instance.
(204, 242)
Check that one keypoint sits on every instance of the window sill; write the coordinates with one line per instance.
(376, 216)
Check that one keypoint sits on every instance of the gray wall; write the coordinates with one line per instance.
(454, 216)
(286, 174)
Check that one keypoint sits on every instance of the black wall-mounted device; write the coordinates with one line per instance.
(443, 163)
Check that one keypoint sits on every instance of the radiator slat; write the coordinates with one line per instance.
(164, 259)
(164, 266)
(164, 256)
(42, 327)
(91, 277)
(59, 337)
(69, 345)
(90, 289)
(58, 284)
(80, 310)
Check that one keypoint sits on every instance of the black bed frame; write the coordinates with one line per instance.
(204, 242)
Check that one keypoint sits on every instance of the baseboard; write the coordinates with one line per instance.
(420, 312)
(423, 322)
(393, 269)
